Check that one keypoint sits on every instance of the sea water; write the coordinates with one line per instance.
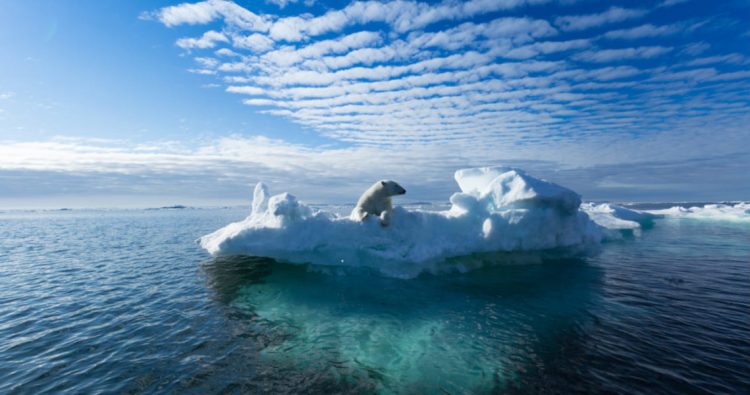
(125, 301)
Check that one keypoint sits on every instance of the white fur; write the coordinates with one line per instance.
(377, 201)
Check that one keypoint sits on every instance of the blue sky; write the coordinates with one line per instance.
(109, 103)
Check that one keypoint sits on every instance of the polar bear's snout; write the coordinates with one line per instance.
(393, 187)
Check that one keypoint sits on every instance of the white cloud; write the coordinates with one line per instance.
(499, 33)
(247, 90)
(647, 30)
(402, 16)
(544, 48)
(209, 11)
(289, 56)
(733, 58)
(670, 3)
(226, 52)
(281, 3)
(411, 75)
(232, 165)
(207, 40)
(612, 73)
(701, 74)
(207, 62)
(737, 75)
(289, 29)
(310, 77)
(581, 22)
(185, 13)
(696, 48)
(256, 42)
(621, 54)
(202, 71)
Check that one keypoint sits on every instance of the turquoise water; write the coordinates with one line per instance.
(125, 301)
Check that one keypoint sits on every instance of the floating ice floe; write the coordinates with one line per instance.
(734, 212)
(618, 220)
(499, 209)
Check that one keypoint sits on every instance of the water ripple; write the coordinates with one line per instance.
(124, 302)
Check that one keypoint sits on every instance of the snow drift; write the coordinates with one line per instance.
(498, 210)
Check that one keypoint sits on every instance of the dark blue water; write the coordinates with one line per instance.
(126, 302)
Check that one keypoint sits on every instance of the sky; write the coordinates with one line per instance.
(149, 103)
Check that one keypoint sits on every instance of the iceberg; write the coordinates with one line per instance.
(498, 209)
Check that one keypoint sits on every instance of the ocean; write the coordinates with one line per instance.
(126, 301)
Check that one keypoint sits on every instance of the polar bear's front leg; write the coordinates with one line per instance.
(385, 217)
(358, 214)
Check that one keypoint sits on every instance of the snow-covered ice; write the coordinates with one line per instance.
(736, 212)
(499, 209)
(617, 219)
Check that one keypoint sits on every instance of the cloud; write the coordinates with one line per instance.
(691, 75)
(670, 3)
(283, 3)
(733, 58)
(621, 54)
(225, 52)
(289, 56)
(207, 40)
(202, 71)
(611, 73)
(647, 30)
(208, 11)
(612, 15)
(228, 167)
(207, 62)
(401, 15)
(256, 42)
(440, 85)
(696, 48)
(545, 47)
(247, 90)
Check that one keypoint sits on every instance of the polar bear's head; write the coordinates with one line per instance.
(390, 188)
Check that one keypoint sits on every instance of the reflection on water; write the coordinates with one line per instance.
(476, 332)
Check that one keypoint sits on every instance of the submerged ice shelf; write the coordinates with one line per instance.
(498, 209)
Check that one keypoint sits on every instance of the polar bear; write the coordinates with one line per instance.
(377, 201)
